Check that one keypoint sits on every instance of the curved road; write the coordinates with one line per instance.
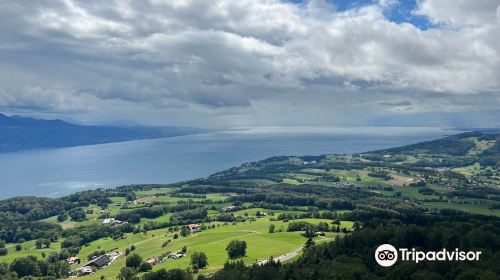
(283, 258)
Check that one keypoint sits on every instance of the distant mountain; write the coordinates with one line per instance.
(23, 133)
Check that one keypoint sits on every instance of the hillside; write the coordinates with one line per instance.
(310, 212)
(21, 133)
(464, 144)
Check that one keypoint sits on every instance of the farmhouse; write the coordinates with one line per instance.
(108, 221)
(112, 221)
(84, 270)
(228, 208)
(194, 227)
(153, 260)
(100, 261)
(73, 260)
(175, 255)
(260, 214)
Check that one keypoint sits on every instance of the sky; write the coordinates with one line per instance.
(245, 63)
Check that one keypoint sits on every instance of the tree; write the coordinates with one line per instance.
(127, 273)
(271, 228)
(310, 242)
(309, 232)
(199, 260)
(25, 266)
(133, 261)
(4, 268)
(356, 225)
(185, 231)
(77, 214)
(60, 269)
(19, 247)
(145, 266)
(322, 226)
(39, 243)
(53, 257)
(163, 274)
(236, 249)
(131, 196)
(3, 251)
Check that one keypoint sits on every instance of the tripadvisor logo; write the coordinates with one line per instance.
(387, 255)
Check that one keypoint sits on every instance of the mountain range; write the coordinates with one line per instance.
(24, 133)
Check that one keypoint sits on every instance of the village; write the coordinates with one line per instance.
(100, 262)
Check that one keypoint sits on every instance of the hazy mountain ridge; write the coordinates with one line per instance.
(21, 133)
(477, 143)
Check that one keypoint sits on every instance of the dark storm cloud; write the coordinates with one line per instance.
(247, 62)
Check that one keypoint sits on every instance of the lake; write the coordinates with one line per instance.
(57, 172)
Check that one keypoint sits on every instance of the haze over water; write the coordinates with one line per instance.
(57, 172)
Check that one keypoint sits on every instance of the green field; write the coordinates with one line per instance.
(471, 208)
(153, 191)
(252, 211)
(349, 176)
(261, 244)
(28, 250)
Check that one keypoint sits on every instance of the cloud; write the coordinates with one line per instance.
(460, 12)
(227, 62)
(400, 103)
(53, 100)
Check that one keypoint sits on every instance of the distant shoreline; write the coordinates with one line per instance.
(62, 171)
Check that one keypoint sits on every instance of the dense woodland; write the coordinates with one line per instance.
(352, 256)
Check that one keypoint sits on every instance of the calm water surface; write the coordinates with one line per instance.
(56, 172)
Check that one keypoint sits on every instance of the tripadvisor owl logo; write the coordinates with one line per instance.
(386, 255)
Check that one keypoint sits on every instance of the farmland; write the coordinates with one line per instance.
(276, 206)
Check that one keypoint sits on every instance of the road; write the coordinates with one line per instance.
(283, 258)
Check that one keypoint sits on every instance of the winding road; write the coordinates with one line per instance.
(283, 258)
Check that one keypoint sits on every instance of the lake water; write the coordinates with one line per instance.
(56, 172)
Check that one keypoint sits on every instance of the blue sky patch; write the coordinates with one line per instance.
(401, 12)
